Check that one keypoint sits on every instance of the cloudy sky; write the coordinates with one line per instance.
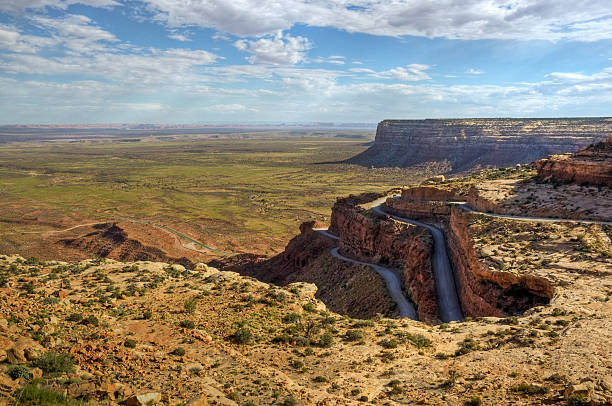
(199, 61)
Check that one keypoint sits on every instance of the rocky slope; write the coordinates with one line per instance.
(479, 143)
(591, 166)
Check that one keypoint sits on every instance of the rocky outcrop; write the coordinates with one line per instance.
(366, 237)
(592, 166)
(487, 292)
(478, 143)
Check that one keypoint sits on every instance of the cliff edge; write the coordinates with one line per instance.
(464, 144)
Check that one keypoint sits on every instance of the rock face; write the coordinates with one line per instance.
(484, 292)
(400, 246)
(592, 165)
(477, 143)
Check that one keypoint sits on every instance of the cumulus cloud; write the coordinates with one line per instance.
(276, 50)
(473, 71)
(582, 20)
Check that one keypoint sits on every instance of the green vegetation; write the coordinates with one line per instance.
(229, 190)
(35, 395)
(52, 362)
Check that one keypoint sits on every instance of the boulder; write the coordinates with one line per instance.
(145, 399)
(25, 349)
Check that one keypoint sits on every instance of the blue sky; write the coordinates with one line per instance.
(247, 61)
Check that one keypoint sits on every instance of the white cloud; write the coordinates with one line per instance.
(583, 20)
(410, 73)
(473, 71)
(179, 37)
(333, 60)
(19, 6)
(277, 50)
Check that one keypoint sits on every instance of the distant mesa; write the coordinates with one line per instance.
(465, 144)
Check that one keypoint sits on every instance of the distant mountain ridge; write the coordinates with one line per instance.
(465, 144)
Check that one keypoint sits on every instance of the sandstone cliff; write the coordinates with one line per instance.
(400, 246)
(592, 165)
(476, 143)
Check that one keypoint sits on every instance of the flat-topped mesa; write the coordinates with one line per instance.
(465, 144)
(592, 166)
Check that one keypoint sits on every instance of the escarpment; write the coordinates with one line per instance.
(591, 166)
(479, 143)
(403, 247)
(484, 291)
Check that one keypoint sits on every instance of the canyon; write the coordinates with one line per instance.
(465, 144)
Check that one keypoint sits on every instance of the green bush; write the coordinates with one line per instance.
(353, 335)
(242, 336)
(34, 395)
(180, 351)
(419, 341)
(191, 304)
(130, 343)
(19, 371)
(326, 340)
(187, 324)
(577, 399)
(530, 389)
(475, 401)
(52, 362)
(388, 344)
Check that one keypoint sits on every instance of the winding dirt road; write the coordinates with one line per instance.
(405, 308)
(446, 290)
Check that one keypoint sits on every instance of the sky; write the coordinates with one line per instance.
(299, 61)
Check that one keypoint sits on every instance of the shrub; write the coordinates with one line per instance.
(319, 379)
(291, 318)
(309, 307)
(577, 399)
(91, 319)
(419, 341)
(19, 371)
(353, 335)
(33, 394)
(475, 401)
(290, 401)
(130, 343)
(187, 324)
(530, 389)
(388, 344)
(242, 336)
(191, 304)
(466, 346)
(50, 300)
(326, 340)
(52, 362)
(180, 351)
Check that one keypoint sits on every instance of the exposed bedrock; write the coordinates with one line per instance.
(482, 291)
(487, 292)
(407, 248)
(478, 143)
(592, 165)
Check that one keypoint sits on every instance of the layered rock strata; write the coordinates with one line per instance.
(482, 291)
(400, 246)
(478, 143)
(592, 166)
